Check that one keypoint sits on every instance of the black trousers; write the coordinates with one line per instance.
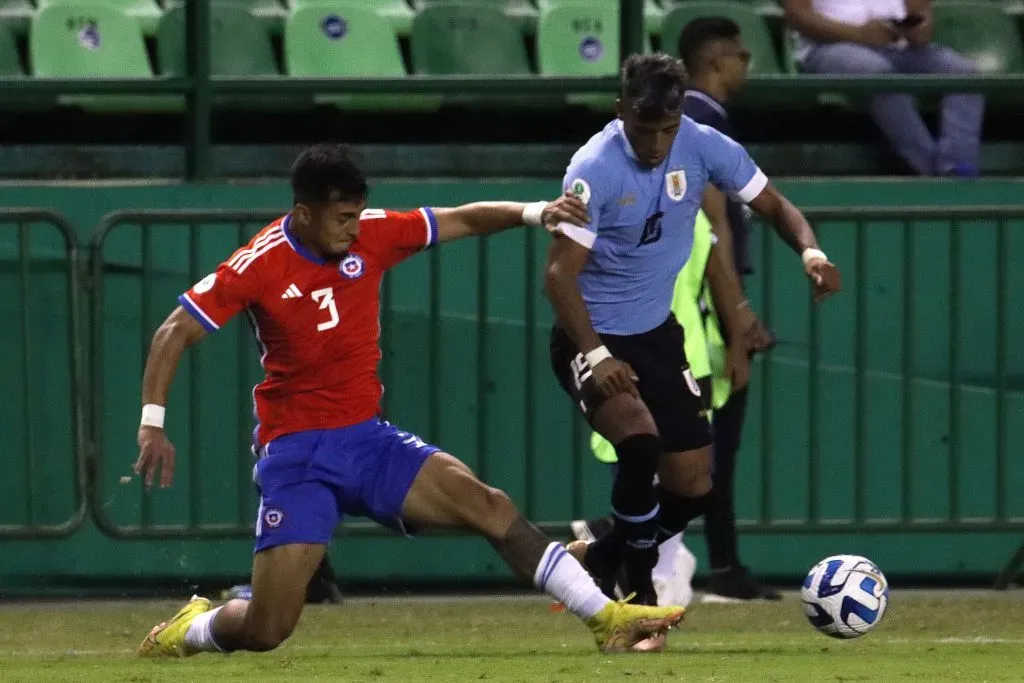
(720, 518)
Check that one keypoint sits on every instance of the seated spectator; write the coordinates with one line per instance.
(893, 37)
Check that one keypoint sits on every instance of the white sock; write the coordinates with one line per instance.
(199, 636)
(563, 578)
(667, 552)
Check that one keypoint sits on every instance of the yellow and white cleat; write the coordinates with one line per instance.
(167, 639)
(622, 627)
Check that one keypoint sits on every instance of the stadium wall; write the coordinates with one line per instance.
(483, 421)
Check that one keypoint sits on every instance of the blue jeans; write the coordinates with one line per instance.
(958, 146)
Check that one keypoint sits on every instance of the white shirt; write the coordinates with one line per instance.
(853, 12)
(860, 12)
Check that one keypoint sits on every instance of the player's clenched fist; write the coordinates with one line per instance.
(566, 209)
(612, 376)
(825, 278)
(155, 453)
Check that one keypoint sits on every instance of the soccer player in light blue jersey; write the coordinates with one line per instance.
(616, 348)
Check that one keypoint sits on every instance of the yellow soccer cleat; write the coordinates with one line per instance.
(622, 627)
(167, 639)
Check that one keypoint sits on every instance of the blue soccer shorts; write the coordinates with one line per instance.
(309, 480)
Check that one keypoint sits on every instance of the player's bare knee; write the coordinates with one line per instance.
(624, 416)
(490, 512)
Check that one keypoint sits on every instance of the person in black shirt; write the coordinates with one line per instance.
(716, 62)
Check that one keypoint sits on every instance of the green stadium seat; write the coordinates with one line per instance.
(86, 41)
(341, 38)
(467, 39)
(238, 44)
(578, 39)
(653, 12)
(145, 12)
(755, 33)
(397, 12)
(92, 41)
(982, 32)
(522, 11)
(270, 13)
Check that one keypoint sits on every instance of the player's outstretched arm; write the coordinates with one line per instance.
(566, 259)
(792, 227)
(176, 334)
(485, 218)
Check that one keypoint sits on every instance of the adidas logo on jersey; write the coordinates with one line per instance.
(291, 293)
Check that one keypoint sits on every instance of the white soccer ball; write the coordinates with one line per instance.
(845, 596)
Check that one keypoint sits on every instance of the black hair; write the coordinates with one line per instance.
(326, 172)
(653, 85)
(699, 34)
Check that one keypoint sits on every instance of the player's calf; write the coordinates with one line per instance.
(446, 493)
(633, 539)
(685, 488)
(279, 579)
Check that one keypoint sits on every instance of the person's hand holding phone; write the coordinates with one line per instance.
(914, 29)
(877, 33)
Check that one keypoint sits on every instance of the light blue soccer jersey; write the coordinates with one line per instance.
(642, 218)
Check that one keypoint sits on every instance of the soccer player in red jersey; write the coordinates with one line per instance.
(309, 284)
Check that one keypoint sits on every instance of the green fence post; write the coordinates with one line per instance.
(631, 28)
(954, 370)
(199, 99)
(907, 370)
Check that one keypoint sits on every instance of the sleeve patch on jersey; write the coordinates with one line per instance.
(431, 221)
(205, 285)
(372, 214)
(581, 188)
(576, 234)
(753, 188)
(197, 313)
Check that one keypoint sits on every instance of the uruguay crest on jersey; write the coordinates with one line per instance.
(675, 185)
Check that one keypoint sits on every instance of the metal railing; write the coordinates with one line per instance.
(921, 440)
(35, 308)
(138, 262)
(905, 223)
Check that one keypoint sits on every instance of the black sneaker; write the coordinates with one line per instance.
(736, 585)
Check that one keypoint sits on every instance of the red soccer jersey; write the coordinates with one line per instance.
(317, 323)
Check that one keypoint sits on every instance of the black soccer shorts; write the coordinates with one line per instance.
(666, 384)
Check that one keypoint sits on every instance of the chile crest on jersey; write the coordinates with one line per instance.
(352, 266)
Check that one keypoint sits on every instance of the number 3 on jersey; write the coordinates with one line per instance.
(325, 297)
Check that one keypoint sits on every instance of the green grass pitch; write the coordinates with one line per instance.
(926, 636)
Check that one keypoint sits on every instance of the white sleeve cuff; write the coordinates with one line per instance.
(753, 188)
(576, 234)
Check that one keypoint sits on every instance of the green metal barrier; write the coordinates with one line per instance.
(892, 408)
(42, 456)
(151, 257)
(897, 368)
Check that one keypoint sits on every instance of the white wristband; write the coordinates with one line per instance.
(597, 355)
(810, 254)
(533, 214)
(153, 415)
